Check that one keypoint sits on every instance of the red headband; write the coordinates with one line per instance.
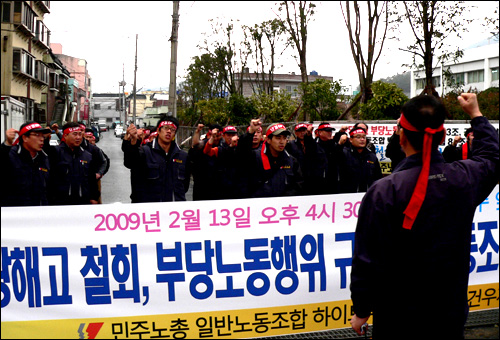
(300, 126)
(230, 129)
(274, 128)
(357, 131)
(324, 126)
(167, 122)
(26, 129)
(71, 129)
(418, 196)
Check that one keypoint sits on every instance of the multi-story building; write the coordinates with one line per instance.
(477, 69)
(252, 82)
(78, 70)
(160, 106)
(57, 100)
(25, 42)
(149, 104)
(108, 106)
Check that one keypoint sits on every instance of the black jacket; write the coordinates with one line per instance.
(227, 162)
(357, 170)
(394, 151)
(204, 173)
(307, 156)
(72, 178)
(155, 175)
(326, 171)
(455, 153)
(415, 277)
(284, 178)
(101, 161)
(25, 180)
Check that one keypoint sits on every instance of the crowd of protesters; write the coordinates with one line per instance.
(37, 173)
(224, 165)
(221, 163)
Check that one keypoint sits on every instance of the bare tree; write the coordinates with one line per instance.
(272, 31)
(298, 15)
(365, 63)
(432, 22)
(224, 51)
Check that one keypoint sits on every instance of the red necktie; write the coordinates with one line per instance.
(417, 199)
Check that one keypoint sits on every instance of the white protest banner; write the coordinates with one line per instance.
(235, 269)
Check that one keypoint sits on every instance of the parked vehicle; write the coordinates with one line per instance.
(119, 131)
(103, 127)
(54, 139)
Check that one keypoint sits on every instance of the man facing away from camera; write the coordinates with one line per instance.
(412, 245)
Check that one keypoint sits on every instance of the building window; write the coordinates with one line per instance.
(436, 81)
(41, 72)
(30, 108)
(6, 11)
(494, 74)
(54, 81)
(97, 106)
(420, 83)
(457, 79)
(23, 62)
(42, 33)
(24, 15)
(475, 76)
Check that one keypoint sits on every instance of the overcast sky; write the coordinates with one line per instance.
(104, 34)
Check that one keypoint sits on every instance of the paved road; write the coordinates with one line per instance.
(115, 185)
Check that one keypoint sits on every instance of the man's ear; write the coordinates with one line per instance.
(402, 138)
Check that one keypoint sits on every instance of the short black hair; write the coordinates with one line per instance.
(424, 111)
(215, 126)
(357, 125)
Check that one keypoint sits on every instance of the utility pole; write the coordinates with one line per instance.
(172, 90)
(122, 104)
(135, 73)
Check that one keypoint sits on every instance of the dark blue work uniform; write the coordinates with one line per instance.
(415, 281)
(204, 170)
(326, 171)
(284, 178)
(309, 161)
(25, 179)
(157, 176)
(357, 170)
(72, 178)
